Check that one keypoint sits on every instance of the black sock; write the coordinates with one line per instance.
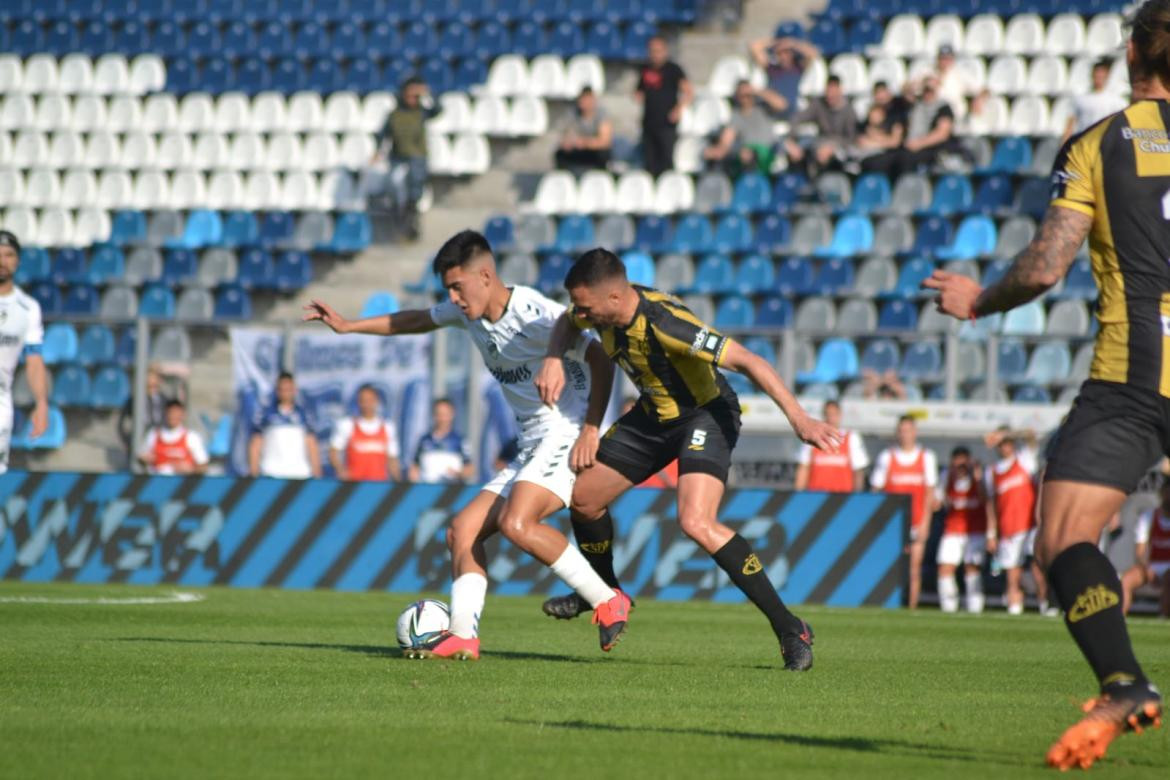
(1086, 585)
(595, 540)
(741, 564)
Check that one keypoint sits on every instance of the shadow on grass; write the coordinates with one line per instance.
(893, 747)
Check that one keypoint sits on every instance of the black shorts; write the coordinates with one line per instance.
(1113, 435)
(638, 446)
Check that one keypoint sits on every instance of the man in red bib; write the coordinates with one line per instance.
(172, 449)
(1152, 561)
(365, 448)
(842, 471)
(1012, 515)
(964, 532)
(908, 469)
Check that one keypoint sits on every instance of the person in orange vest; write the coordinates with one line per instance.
(1011, 514)
(842, 471)
(365, 448)
(1152, 558)
(171, 448)
(910, 469)
(964, 537)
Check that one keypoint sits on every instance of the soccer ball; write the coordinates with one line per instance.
(421, 621)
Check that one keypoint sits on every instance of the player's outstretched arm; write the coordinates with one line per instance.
(808, 429)
(600, 384)
(550, 382)
(1038, 268)
(413, 321)
(38, 383)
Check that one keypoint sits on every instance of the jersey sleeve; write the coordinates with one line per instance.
(196, 448)
(804, 456)
(146, 447)
(342, 431)
(858, 457)
(682, 335)
(1072, 174)
(1027, 458)
(1141, 531)
(34, 334)
(877, 479)
(391, 440)
(930, 464)
(448, 315)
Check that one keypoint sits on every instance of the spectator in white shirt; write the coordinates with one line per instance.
(171, 448)
(1093, 106)
(283, 443)
(952, 81)
(365, 448)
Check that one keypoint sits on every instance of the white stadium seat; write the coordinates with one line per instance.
(160, 113)
(1066, 35)
(343, 112)
(5, 148)
(30, 149)
(356, 150)
(944, 30)
(148, 73)
(1048, 75)
(1029, 116)
(103, 150)
(139, 151)
(40, 74)
(42, 187)
(284, 152)
(152, 190)
(596, 193)
(812, 81)
(974, 70)
(920, 68)
(1024, 34)
(111, 75)
(66, 150)
(263, 191)
(984, 35)
(79, 188)
(306, 112)
(54, 112)
(55, 227)
(322, 152)
(1080, 75)
(705, 115)
(1007, 75)
(454, 114)
(11, 74)
(124, 114)
(175, 151)
(998, 112)
(891, 70)
(11, 187)
(1059, 113)
(439, 154)
(688, 154)
(376, 106)
(470, 154)
(1119, 77)
(225, 191)
(269, 113)
(507, 76)
(490, 115)
(584, 70)
(22, 221)
(233, 113)
(247, 153)
(1105, 35)
(91, 226)
(212, 151)
(338, 191)
(674, 192)
(528, 117)
(635, 193)
(89, 113)
(852, 71)
(546, 77)
(729, 70)
(299, 191)
(904, 37)
(556, 194)
(19, 112)
(115, 190)
(76, 74)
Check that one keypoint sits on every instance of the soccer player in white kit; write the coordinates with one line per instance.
(21, 332)
(510, 327)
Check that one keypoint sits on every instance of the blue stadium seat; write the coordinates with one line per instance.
(60, 344)
(714, 274)
(922, 362)
(238, 40)
(1031, 394)
(500, 232)
(232, 302)
(128, 227)
(203, 228)
(1012, 155)
(380, 304)
(352, 233)
(976, 238)
(994, 195)
(110, 388)
(733, 312)
(240, 228)
(508, 11)
(605, 40)
(157, 302)
(310, 41)
(774, 312)
(773, 234)
(491, 40)
(864, 33)
(733, 233)
(384, 37)
(553, 269)
(53, 438)
(364, 76)
(61, 38)
(1032, 197)
(635, 39)
(755, 274)
(574, 233)
(131, 37)
(71, 387)
(294, 271)
(653, 234)
(828, 36)
(470, 72)
(97, 346)
(622, 11)
(1078, 284)
(179, 266)
(871, 192)
(35, 266)
(761, 346)
(692, 235)
(933, 234)
(897, 315)
(127, 345)
(836, 360)
(48, 296)
(566, 39)
(752, 194)
(787, 192)
(1011, 361)
(217, 76)
(790, 29)
(277, 229)
(96, 39)
(880, 356)
(437, 74)
(256, 270)
(203, 40)
(70, 266)
(794, 276)
(167, 39)
(287, 76)
(107, 264)
(182, 76)
(528, 39)
(82, 300)
(853, 235)
(27, 38)
(639, 268)
(833, 277)
(328, 75)
(578, 11)
(349, 42)
(952, 195)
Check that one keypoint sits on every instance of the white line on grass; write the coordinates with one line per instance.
(172, 598)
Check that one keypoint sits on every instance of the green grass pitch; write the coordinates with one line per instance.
(289, 684)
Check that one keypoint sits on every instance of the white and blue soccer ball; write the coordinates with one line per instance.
(422, 621)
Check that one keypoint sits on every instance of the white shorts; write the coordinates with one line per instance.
(544, 463)
(5, 433)
(1015, 549)
(954, 549)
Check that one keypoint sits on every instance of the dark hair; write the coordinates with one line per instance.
(367, 386)
(283, 375)
(585, 90)
(833, 80)
(1104, 62)
(742, 83)
(459, 250)
(443, 400)
(907, 418)
(8, 238)
(594, 267)
(832, 402)
(1151, 40)
(961, 451)
(175, 402)
(413, 81)
(880, 85)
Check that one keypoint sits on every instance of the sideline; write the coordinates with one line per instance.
(172, 598)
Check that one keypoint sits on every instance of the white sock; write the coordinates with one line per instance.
(974, 584)
(576, 572)
(1042, 606)
(1016, 609)
(468, 592)
(948, 594)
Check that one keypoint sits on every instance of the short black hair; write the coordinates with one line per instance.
(459, 250)
(831, 402)
(413, 81)
(962, 451)
(907, 418)
(880, 85)
(742, 83)
(8, 238)
(1104, 62)
(585, 90)
(367, 386)
(835, 80)
(594, 267)
(175, 402)
(443, 400)
(283, 375)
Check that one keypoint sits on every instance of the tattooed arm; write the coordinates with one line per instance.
(1038, 268)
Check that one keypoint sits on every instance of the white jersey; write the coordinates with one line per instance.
(20, 328)
(514, 348)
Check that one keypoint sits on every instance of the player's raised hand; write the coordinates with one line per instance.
(956, 293)
(584, 452)
(818, 433)
(550, 382)
(318, 310)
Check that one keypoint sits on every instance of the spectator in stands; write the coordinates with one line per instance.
(157, 398)
(978, 122)
(836, 130)
(405, 135)
(1093, 106)
(1152, 555)
(283, 444)
(365, 448)
(964, 537)
(171, 448)
(878, 133)
(930, 131)
(910, 469)
(442, 455)
(784, 61)
(952, 81)
(664, 92)
(587, 138)
(842, 471)
(897, 106)
(748, 141)
(885, 386)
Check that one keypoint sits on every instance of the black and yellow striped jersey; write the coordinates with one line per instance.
(1118, 173)
(670, 355)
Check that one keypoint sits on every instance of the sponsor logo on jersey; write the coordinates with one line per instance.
(700, 341)
(511, 376)
(1093, 600)
(752, 565)
(9, 340)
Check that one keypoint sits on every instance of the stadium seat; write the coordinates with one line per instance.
(912, 194)
(119, 303)
(81, 300)
(875, 277)
(352, 233)
(871, 193)
(69, 266)
(787, 191)
(993, 196)
(1026, 320)
(714, 274)
(556, 193)
(1011, 361)
(60, 344)
(894, 235)
(674, 272)
(96, 346)
(897, 315)
(615, 231)
(755, 274)
(910, 278)
(157, 302)
(837, 360)
(834, 190)
(952, 195)
(833, 277)
(232, 303)
(922, 362)
(639, 268)
(734, 311)
(733, 233)
(110, 388)
(71, 387)
(976, 237)
(774, 312)
(551, 277)
(294, 271)
(815, 315)
(35, 266)
(574, 234)
(1050, 364)
(636, 193)
(773, 234)
(905, 36)
(752, 194)
(673, 192)
(596, 193)
(794, 276)
(880, 356)
(810, 233)
(853, 235)
(933, 234)
(1079, 283)
(692, 235)
(857, 316)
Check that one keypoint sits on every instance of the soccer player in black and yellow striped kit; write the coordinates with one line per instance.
(687, 411)
(1111, 184)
